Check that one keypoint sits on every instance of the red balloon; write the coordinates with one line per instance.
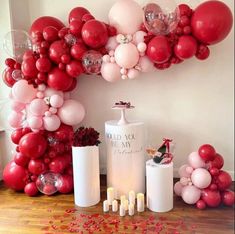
(49, 189)
(7, 77)
(94, 34)
(10, 62)
(64, 31)
(159, 49)
(50, 33)
(218, 162)
(15, 176)
(87, 17)
(211, 22)
(185, 10)
(31, 189)
(203, 52)
(78, 50)
(75, 27)
(43, 65)
(64, 132)
(42, 22)
(186, 47)
(214, 171)
(58, 164)
(228, 198)
(223, 180)
(211, 198)
(201, 204)
(74, 68)
(16, 135)
(77, 13)
(28, 67)
(207, 152)
(36, 166)
(213, 187)
(20, 159)
(33, 145)
(66, 185)
(69, 170)
(73, 85)
(56, 50)
(59, 79)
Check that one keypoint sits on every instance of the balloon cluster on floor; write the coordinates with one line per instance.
(202, 180)
(46, 64)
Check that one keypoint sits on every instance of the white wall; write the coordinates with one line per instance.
(192, 102)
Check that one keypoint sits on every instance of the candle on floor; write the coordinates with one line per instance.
(105, 206)
(114, 206)
(131, 209)
(126, 203)
(122, 211)
(110, 195)
(122, 199)
(132, 197)
(140, 202)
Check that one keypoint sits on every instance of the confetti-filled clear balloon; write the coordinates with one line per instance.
(70, 39)
(48, 182)
(16, 42)
(161, 16)
(92, 61)
(17, 74)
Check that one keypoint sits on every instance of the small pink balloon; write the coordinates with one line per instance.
(195, 160)
(106, 58)
(190, 194)
(132, 73)
(38, 107)
(201, 178)
(17, 106)
(141, 47)
(124, 77)
(51, 123)
(123, 71)
(40, 95)
(111, 53)
(111, 44)
(112, 59)
(139, 37)
(178, 188)
(53, 110)
(35, 122)
(184, 181)
(56, 101)
(41, 87)
(182, 171)
(126, 55)
(110, 72)
(189, 170)
(48, 114)
(16, 119)
(146, 64)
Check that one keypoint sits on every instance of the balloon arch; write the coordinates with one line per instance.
(45, 67)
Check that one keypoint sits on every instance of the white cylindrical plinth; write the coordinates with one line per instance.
(125, 157)
(86, 175)
(159, 186)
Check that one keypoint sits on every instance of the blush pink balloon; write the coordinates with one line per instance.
(35, 122)
(53, 110)
(56, 101)
(190, 194)
(71, 113)
(126, 16)
(195, 160)
(111, 44)
(17, 106)
(183, 172)
(15, 119)
(110, 72)
(178, 188)
(38, 107)
(138, 37)
(126, 55)
(51, 123)
(146, 64)
(132, 73)
(141, 47)
(201, 178)
(184, 181)
(23, 92)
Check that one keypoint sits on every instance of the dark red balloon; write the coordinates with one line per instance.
(94, 34)
(211, 22)
(66, 185)
(77, 13)
(214, 171)
(58, 164)
(7, 77)
(43, 65)
(223, 180)
(75, 27)
(218, 162)
(73, 85)
(31, 189)
(211, 198)
(159, 49)
(50, 33)
(186, 47)
(10, 62)
(28, 67)
(20, 159)
(207, 152)
(185, 10)
(201, 204)
(87, 17)
(33, 145)
(56, 50)
(59, 79)
(203, 52)
(36, 166)
(74, 68)
(16, 135)
(228, 198)
(64, 133)
(78, 50)
(15, 176)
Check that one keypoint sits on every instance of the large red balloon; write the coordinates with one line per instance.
(20, 159)
(207, 152)
(15, 176)
(159, 49)
(211, 198)
(95, 34)
(33, 145)
(223, 180)
(77, 13)
(59, 80)
(29, 68)
(40, 23)
(57, 49)
(36, 166)
(211, 22)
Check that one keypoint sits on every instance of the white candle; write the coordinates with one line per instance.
(131, 209)
(126, 203)
(132, 197)
(122, 211)
(105, 206)
(110, 195)
(114, 206)
(140, 202)
(122, 199)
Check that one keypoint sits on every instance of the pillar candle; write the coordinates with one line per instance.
(122, 199)
(122, 211)
(110, 195)
(114, 206)
(131, 209)
(126, 203)
(132, 197)
(140, 202)
(105, 206)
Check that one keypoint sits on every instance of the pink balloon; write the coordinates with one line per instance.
(23, 92)
(132, 73)
(139, 37)
(183, 172)
(15, 119)
(126, 16)
(53, 110)
(110, 72)
(126, 55)
(40, 95)
(195, 160)
(49, 92)
(141, 47)
(38, 107)
(72, 112)
(111, 44)
(184, 181)
(56, 101)
(146, 64)
(189, 170)
(51, 123)
(190, 194)
(178, 188)
(17, 106)
(201, 178)
(35, 122)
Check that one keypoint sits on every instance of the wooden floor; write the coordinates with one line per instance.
(57, 214)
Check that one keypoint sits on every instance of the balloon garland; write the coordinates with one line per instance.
(46, 65)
